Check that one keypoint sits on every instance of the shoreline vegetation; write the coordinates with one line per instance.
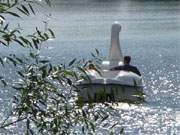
(45, 98)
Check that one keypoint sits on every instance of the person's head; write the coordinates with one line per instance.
(127, 60)
(91, 66)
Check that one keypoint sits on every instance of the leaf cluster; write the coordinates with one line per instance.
(45, 93)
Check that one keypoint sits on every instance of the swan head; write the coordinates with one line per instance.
(116, 27)
(115, 53)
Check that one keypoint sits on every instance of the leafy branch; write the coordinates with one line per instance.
(46, 94)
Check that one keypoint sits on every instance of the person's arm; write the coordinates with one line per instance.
(112, 69)
(116, 68)
(137, 72)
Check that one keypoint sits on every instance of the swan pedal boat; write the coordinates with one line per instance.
(111, 85)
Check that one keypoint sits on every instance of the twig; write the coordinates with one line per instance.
(8, 124)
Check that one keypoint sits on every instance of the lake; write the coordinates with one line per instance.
(150, 35)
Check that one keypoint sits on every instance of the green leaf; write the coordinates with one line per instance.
(14, 31)
(19, 42)
(31, 131)
(15, 3)
(33, 55)
(17, 88)
(97, 51)
(103, 119)
(35, 43)
(68, 73)
(39, 33)
(22, 11)
(19, 60)
(50, 68)
(3, 43)
(2, 31)
(83, 130)
(44, 71)
(7, 38)
(28, 124)
(4, 4)
(92, 54)
(52, 33)
(71, 63)
(12, 60)
(1, 61)
(75, 75)
(46, 36)
(25, 9)
(3, 82)
(69, 81)
(26, 41)
(6, 26)
(122, 131)
(31, 8)
(2, 17)
(84, 113)
(86, 77)
(92, 126)
(12, 13)
(44, 61)
(114, 125)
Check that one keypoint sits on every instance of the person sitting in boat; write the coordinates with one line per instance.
(91, 67)
(127, 66)
(93, 70)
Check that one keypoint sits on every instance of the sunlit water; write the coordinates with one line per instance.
(150, 34)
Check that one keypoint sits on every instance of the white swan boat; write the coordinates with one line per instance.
(111, 85)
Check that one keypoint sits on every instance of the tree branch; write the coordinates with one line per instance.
(8, 124)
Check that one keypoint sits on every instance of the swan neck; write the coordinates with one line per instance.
(115, 49)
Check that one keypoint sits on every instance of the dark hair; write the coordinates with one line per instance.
(127, 59)
(91, 66)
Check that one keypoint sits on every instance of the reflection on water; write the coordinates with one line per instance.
(150, 34)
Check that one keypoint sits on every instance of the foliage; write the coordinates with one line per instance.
(45, 93)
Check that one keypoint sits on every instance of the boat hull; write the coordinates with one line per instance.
(109, 92)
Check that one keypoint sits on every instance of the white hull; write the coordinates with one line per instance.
(109, 92)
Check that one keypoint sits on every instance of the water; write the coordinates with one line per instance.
(150, 34)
